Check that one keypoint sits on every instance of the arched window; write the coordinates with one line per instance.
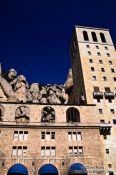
(94, 36)
(85, 35)
(22, 114)
(1, 112)
(72, 115)
(47, 114)
(103, 39)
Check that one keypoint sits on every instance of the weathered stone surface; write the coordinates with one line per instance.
(22, 114)
(7, 90)
(16, 88)
(69, 82)
(12, 77)
(35, 91)
(48, 114)
(21, 88)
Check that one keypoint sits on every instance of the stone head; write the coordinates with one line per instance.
(12, 74)
(21, 78)
(34, 87)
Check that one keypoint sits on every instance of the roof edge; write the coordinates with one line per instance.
(76, 26)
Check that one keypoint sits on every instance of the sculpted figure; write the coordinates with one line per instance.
(6, 91)
(21, 88)
(22, 114)
(12, 77)
(34, 89)
(69, 82)
(59, 92)
(43, 94)
(43, 100)
(52, 97)
(65, 96)
(48, 114)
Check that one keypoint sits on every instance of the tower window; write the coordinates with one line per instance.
(106, 48)
(100, 62)
(94, 36)
(103, 39)
(107, 89)
(109, 165)
(107, 151)
(108, 55)
(112, 70)
(114, 121)
(89, 53)
(88, 46)
(102, 69)
(96, 89)
(105, 78)
(110, 62)
(90, 60)
(105, 137)
(92, 68)
(94, 78)
(112, 111)
(97, 47)
(100, 111)
(85, 35)
(114, 79)
(98, 53)
(102, 121)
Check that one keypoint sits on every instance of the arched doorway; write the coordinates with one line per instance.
(48, 169)
(77, 169)
(17, 169)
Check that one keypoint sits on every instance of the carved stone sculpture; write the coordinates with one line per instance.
(43, 94)
(16, 89)
(12, 77)
(48, 114)
(34, 89)
(65, 96)
(52, 97)
(21, 88)
(22, 114)
(69, 82)
(7, 89)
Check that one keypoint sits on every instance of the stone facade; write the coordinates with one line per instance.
(91, 155)
(94, 72)
(59, 124)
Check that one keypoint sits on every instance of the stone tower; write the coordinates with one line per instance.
(93, 60)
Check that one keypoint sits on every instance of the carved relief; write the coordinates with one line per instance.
(16, 89)
(22, 114)
(48, 114)
(35, 91)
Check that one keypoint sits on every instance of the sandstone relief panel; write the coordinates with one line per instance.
(48, 114)
(15, 88)
(22, 114)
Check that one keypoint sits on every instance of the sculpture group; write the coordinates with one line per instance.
(15, 88)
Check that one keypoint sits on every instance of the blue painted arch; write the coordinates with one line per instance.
(48, 169)
(17, 169)
(76, 169)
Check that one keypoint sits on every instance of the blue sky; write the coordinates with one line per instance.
(35, 35)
